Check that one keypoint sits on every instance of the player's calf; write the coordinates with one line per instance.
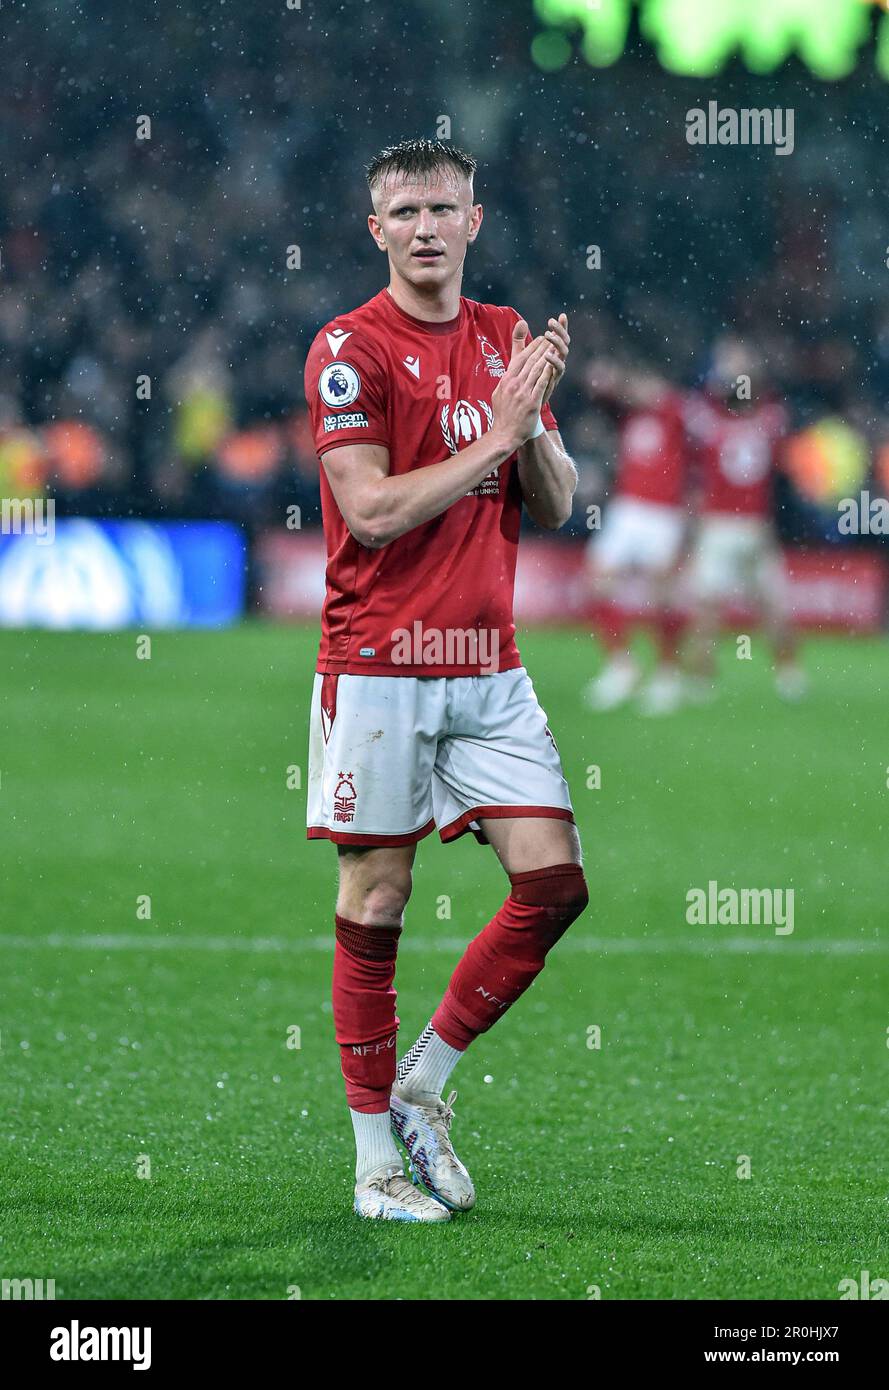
(365, 1024)
(508, 955)
(496, 969)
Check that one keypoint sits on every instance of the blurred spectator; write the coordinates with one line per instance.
(23, 462)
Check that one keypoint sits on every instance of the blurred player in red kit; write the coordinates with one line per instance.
(737, 434)
(642, 536)
(431, 419)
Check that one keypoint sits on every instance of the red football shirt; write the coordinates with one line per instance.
(736, 454)
(378, 375)
(651, 453)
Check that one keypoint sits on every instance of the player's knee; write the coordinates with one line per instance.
(560, 892)
(383, 901)
(575, 902)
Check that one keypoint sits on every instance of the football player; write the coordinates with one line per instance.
(432, 421)
(642, 536)
(737, 433)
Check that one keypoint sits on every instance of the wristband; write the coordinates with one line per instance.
(540, 428)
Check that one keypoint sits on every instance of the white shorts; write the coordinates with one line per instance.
(639, 535)
(737, 557)
(392, 757)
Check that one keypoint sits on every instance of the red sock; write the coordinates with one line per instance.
(611, 627)
(508, 954)
(669, 626)
(786, 648)
(364, 1011)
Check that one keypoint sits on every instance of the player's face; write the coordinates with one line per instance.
(425, 227)
(731, 363)
(644, 388)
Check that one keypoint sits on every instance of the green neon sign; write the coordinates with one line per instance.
(697, 37)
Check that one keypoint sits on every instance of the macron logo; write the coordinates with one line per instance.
(336, 339)
(413, 366)
(76, 1343)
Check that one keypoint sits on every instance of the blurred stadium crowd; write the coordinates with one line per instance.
(165, 259)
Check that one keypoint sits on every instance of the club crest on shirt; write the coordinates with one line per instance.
(493, 360)
(464, 425)
(338, 384)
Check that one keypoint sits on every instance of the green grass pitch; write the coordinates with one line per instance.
(126, 1041)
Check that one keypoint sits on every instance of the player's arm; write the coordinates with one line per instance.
(378, 507)
(546, 471)
(548, 478)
